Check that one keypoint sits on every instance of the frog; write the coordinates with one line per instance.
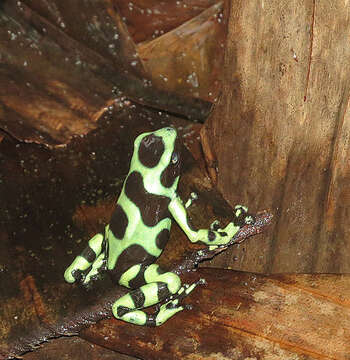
(139, 228)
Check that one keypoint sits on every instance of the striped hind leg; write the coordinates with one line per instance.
(159, 287)
(92, 259)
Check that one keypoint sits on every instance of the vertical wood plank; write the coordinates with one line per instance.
(280, 132)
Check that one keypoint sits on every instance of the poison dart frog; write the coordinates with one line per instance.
(139, 230)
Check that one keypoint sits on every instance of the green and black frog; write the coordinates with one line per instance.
(139, 230)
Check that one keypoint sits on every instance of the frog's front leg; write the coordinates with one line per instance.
(214, 235)
(159, 285)
(92, 257)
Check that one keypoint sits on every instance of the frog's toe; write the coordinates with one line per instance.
(215, 225)
(172, 304)
(72, 275)
(249, 219)
(242, 217)
(167, 310)
(185, 290)
(95, 270)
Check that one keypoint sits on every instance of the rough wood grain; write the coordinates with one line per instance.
(251, 316)
(245, 316)
(280, 135)
(188, 60)
(149, 19)
(74, 348)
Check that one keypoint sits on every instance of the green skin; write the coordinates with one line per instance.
(139, 230)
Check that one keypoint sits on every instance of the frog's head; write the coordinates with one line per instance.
(159, 155)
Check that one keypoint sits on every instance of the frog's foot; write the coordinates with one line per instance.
(166, 311)
(139, 317)
(242, 217)
(91, 273)
(173, 306)
(97, 266)
(221, 237)
(166, 288)
(87, 264)
(184, 291)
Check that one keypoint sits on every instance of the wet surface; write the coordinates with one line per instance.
(148, 19)
(63, 66)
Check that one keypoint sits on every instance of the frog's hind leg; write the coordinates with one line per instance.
(92, 256)
(158, 287)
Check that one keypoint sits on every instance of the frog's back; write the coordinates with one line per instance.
(139, 227)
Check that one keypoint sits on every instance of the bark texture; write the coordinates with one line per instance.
(245, 316)
(280, 134)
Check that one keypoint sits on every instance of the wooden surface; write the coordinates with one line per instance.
(65, 66)
(279, 137)
(179, 60)
(234, 315)
(244, 316)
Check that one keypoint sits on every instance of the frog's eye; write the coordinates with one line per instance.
(174, 158)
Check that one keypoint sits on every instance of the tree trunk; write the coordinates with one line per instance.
(280, 134)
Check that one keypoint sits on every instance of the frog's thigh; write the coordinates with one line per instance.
(159, 285)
